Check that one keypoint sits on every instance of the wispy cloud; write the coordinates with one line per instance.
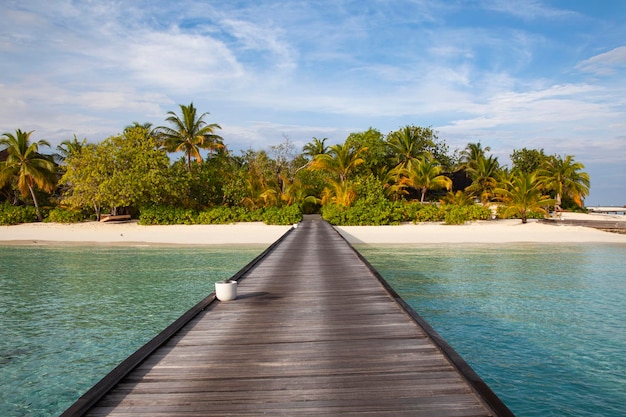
(606, 63)
(528, 9)
(180, 61)
(267, 68)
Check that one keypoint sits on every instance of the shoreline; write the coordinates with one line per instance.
(131, 233)
(257, 233)
(481, 232)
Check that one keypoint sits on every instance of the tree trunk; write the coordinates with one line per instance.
(32, 194)
(96, 209)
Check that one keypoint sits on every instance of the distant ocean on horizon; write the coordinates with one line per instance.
(542, 324)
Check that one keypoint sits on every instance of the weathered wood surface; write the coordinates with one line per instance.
(609, 225)
(312, 333)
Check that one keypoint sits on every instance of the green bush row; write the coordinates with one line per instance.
(10, 215)
(167, 215)
(62, 215)
(529, 214)
(164, 215)
(363, 212)
(461, 214)
(386, 212)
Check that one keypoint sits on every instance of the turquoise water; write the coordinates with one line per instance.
(543, 325)
(70, 314)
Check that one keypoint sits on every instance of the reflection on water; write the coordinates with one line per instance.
(541, 324)
(70, 314)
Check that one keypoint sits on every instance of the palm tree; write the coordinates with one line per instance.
(522, 195)
(565, 178)
(483, 173)
(409, 144)
(340, 193)
(425, 174)
(67, 148)
(147, 126)
(189, 134)
(340, 160)
(392, 182)
(458, 198)
(471, 154)
(24, 161)
(315, 147)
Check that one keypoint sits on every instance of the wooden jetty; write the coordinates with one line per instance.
(315, 331)
(616, 226)
(607, 209)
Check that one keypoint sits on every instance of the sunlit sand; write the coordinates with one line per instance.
(498, 231)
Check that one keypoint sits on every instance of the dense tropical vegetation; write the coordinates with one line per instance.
(370, 178)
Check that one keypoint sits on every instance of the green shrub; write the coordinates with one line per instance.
(272, 215)
(478, 212)
(535, 215)
(166, 215)
(385, 212)
(529, 214)
(429, 213)
(62, 215)
(461, 214)
(251, 216)
(10, 215)
(376, 214)
(219, 215)
(283, 215)
(334, 214)
(361, 213)
(408, 210)
(455, 215)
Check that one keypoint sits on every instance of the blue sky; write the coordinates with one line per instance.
(508, 74)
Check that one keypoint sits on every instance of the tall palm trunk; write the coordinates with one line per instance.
(32, 194)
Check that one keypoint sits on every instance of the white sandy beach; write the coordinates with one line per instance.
(499, 231)
(132, 232)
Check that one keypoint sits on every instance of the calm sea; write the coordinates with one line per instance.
(70, 314)
(542, 324)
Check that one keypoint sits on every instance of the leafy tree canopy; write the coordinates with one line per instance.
(121, 171)
(527, 160)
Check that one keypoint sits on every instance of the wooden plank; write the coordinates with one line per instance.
(314, 332)
(609, 225)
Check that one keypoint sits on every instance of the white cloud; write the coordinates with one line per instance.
(263, 39)
(181, 61)
(571, 118)
(527, 9)
(270, 68)
(260, 135)
(605, 64)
